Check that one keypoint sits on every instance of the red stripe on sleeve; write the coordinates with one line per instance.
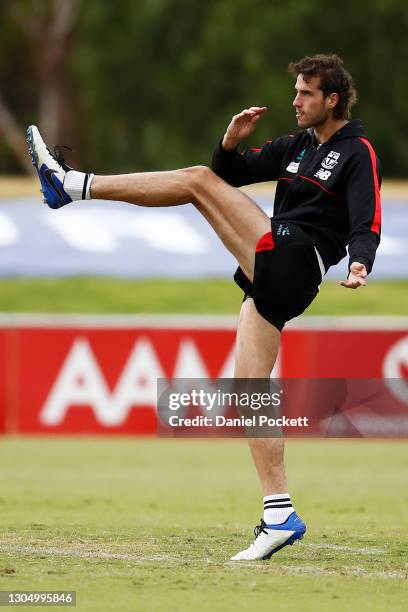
(376, 224)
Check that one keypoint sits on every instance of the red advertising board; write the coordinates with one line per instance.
(3, 378)
(351, 353)
(92, 380)
(93, 377)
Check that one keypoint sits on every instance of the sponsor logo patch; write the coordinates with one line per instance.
(293, 167)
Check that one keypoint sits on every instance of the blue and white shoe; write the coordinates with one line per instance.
(51, 170)
(271, 538)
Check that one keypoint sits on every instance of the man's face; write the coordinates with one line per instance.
(312, 108)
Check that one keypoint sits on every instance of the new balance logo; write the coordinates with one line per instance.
(323, 174)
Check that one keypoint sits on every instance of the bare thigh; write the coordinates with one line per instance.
(234, 216)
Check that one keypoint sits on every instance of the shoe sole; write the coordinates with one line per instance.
(33, 156)
(31, 151)
(293, 538)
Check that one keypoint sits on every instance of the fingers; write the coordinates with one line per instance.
(257, 109)
(253, 111)
(353, 283)
(356, 277)
(242, 126)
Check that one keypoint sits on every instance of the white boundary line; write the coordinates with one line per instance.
(84, 554)
(366, 550)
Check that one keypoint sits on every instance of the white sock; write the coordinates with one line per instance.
(277, 508)
(78, 185)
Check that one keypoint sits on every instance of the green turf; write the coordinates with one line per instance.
(176, 511)
(94, 295)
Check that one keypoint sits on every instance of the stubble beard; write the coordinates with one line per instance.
(316, 121)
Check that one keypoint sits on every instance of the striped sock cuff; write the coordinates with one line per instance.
(277, 508)
(277, 501)
(87, 187)
(78, 185)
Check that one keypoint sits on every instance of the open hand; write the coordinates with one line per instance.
(241, 126)
(356, 277)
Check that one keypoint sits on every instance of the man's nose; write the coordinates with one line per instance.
(296, 101)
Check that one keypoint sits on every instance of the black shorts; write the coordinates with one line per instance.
(287, 274)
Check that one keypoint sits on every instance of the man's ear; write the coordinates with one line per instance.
(333, 99)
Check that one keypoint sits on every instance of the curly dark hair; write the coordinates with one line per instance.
(334, 78)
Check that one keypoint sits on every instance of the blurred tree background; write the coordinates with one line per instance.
(152, 84)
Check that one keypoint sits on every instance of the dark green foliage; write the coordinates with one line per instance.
(156, 81)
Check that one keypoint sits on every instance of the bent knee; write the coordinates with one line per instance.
(198, 170)
(199, 177)
(200, 173)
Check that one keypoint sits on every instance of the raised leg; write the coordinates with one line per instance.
(237, 219)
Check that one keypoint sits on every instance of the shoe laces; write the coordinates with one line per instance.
(59, 156)
(260, 528)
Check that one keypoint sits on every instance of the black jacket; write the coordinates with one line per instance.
(331, 190)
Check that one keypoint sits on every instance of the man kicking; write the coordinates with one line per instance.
(327, 197)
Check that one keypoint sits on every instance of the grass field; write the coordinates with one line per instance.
(104, 295)
(140, 525)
